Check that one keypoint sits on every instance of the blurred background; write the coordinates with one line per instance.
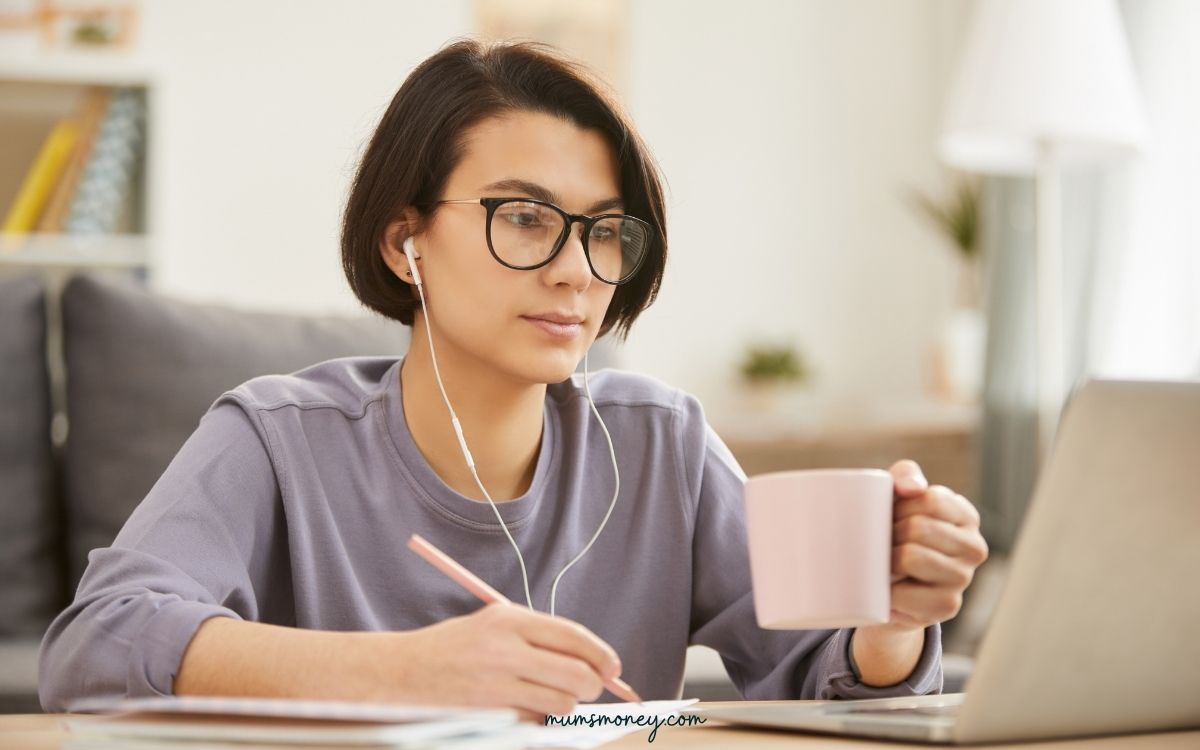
(897, 229)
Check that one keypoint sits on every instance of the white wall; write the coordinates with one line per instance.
(264, 108)
(800, 122)
(786, 131)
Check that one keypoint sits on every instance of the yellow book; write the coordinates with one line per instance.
(39, 180)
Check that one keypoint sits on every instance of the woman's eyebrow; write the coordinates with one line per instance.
(545, 194)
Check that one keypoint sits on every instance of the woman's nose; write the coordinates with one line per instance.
(572, 261)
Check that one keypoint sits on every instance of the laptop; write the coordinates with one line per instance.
(1096, 629)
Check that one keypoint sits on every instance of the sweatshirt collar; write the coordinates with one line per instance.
(429, 487)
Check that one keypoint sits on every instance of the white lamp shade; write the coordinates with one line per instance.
(1033, 72)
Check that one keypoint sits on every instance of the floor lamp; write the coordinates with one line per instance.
(1043, 85)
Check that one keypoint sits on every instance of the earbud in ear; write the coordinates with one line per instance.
(412, 260)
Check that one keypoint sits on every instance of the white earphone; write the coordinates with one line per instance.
(462, 441)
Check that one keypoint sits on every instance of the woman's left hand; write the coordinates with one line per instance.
(936, 547)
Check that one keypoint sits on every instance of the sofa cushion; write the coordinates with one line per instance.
(30, 592)
(141, 371)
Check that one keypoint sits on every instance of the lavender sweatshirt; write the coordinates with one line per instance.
(292, 502)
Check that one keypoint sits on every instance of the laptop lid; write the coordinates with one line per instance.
(1097, 629)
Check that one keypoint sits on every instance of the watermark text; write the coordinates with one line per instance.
(624, 720)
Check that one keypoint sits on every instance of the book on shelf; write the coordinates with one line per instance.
(43, 173)
(83, 177)
(90, 115)
(100, 200)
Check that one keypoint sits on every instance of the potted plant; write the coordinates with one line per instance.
(957, 217)
(774, 379)
(958, 354)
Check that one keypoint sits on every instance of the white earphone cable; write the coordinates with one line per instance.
(616, 488)
(462, 442)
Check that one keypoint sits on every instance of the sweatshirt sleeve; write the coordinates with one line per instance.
(198, 546)
(763, 664)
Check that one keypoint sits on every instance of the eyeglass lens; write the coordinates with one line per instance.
(524, 234)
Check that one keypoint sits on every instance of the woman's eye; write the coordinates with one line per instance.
(521, 218)
(602, 233)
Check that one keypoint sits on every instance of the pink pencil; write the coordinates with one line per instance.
(470, 582)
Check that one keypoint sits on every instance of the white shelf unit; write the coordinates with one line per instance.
(68, 251)
(92, 67)
(35, 92)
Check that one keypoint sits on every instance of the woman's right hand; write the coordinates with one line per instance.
(502, 655)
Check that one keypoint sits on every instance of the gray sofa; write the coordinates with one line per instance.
(140, 370)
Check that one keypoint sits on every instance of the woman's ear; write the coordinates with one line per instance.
(391, 248)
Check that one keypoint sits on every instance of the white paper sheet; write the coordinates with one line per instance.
(263, 722)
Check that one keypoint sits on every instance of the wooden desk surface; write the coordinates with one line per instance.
(41, 732)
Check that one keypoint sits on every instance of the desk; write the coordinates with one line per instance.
(41, 732)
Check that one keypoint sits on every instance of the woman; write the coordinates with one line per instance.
(270, 558)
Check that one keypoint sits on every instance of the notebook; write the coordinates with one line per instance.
(272, 721)
(206, 723)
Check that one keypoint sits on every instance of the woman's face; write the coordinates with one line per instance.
(486, 311)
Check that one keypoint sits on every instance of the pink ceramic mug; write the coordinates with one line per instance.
(820, 547)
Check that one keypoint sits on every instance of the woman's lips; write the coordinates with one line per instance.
(563, 331)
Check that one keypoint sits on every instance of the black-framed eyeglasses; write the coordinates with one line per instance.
(526, 233)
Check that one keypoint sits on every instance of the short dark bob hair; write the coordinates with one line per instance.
(418, 143)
